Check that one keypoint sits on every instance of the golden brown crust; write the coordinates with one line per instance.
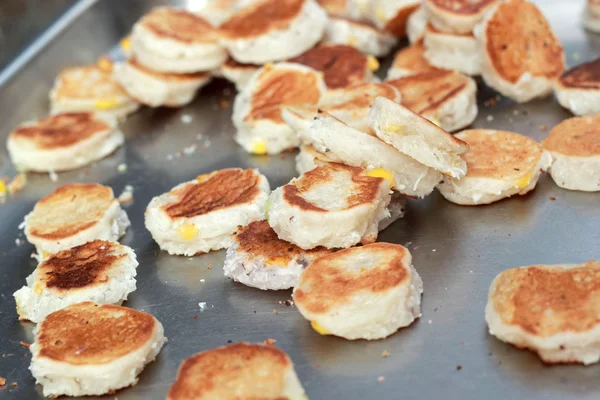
(166, 76)
(61, 130)
(334, 6)
(397, 25)
(463, 7)
(179, 25)
(279, 87)
(92, 334)
(341, 65)
(259, 240)
(87, 82)
(69, 210)
(426, 92)
(362, 96)
(231, 63)
(365, 188)
(238, 371)
(520, 40)
(413, 58)
(220, 190)
(584, 76)
(261, 17)
(81, 267)
(578, 136)
(501, 155)
(547, 300)
(432, 29)
(332, 280)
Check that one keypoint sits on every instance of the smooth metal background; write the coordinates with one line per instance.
(457, 250)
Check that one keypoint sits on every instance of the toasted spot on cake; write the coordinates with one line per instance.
(179, 77)
(413, 58)
(333, 280)
(341, 65)
(520, 40)
(281, 86)
(87, 82)
(180, 25)
(61, 130)
(579, 137)
(502, 155)
(261, 17)
(363, 189)
(222, 189)
(397, 25)
(584, 76)
(545, 300)
(87, 333)
(69, 210)
(80, 267)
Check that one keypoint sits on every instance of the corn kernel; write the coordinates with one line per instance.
(317, 327)
(259, 147)
(394, 128)
(3, 189)
(37, 289)
(106, 104)
(105, 64)
(372, 63)
(380, 14)
(126, 43)
(352, 41)
(188, 231)
(524, 181)
(279, 261)
(203, 178)
(383, 173)
(45, 254)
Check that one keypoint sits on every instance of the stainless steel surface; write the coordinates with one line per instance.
(457, 250)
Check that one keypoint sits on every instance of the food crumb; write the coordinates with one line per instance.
(24, 344)
(17, 183)
(289, 303)
(53, 176)
(126, 195)
(490, 118)
(553, 198)
(543, 127)
(122, 168)
(14, 384)
(223, 104)
(202, 305)
(195, 317)
(275, 312)
(385, 354)
(269, 341)
(381, 379)
(186, 118)
(430, 321)
(2, 381)
(202, 280)
(458, 367)
(209, 266)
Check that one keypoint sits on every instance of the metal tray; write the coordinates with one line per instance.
(457, 250)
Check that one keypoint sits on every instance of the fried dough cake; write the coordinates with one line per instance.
(90, 88)
(591, 16)
(362, 35)
(500, 164)
(156, 89)
(333, 205)
(341, 65)
(409, 61)
(257, 108)
(273, 30)
(63, 142)
(99, 271)
(578, 89)
(89, 349)
(200, 215)
(415, 25)
(418, 137)
(458, 16)
(522, 57)
(330, 136)
(176, 41)
(550, 309)
(366, 292)
(448, 98)
(575, 148)
(238, 73)
(238, 371)
(455, 51)
(259, 259)
(392, 15)
(75, 214)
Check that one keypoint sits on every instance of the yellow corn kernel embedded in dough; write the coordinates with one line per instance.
(524, 181)
(106, 104)
(3, 188)
(396, 128)
(258, 147)
(126, 43)
(203, 178)
(318, 328)
(372, 63)
(382, 173)
(352, 41)
(380, 14)
(37, 289)
(188, 231)
(279, 261)
(105, 64)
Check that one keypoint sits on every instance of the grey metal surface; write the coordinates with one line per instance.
(457, 250)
